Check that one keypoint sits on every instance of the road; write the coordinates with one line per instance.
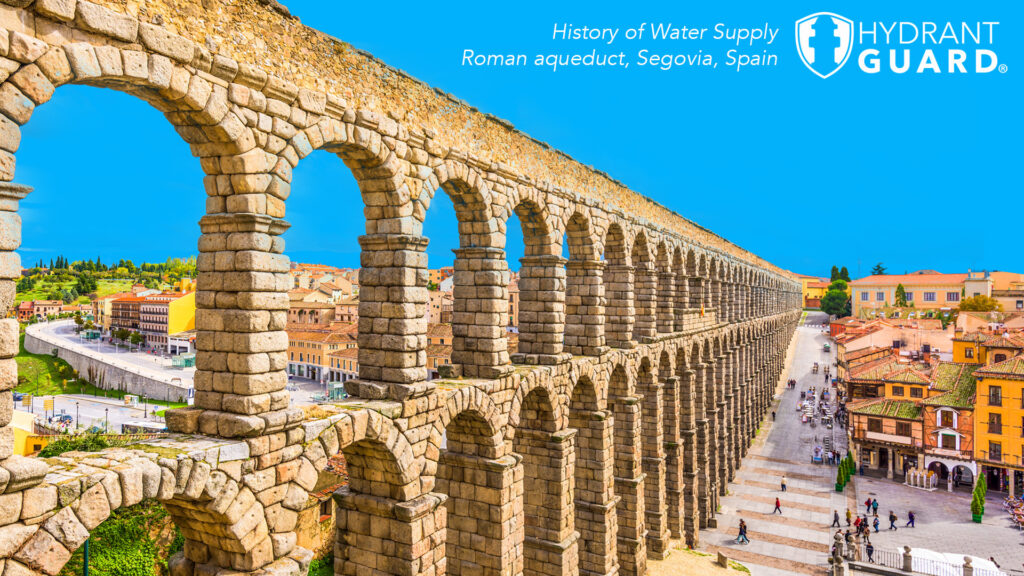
(798, 540)
(155, 366)
(91, 410)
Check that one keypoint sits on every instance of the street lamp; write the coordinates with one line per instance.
(106, 418)
(76, 415)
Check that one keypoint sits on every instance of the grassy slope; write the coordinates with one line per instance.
(103, 288)
(45, 375)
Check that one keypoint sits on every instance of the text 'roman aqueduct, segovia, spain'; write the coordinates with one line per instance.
(646, 359)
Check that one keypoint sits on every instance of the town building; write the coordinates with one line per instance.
(921, 419)
(813, 289)
(38, 309)
(166, 321)
(125, 313)
(1000, 423)
(308, 350)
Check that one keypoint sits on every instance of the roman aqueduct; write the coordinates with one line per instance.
(645, 362)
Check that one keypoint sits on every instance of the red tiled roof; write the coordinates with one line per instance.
(910, 279)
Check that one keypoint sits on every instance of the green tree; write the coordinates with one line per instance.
(836, 303)
(980, 303)
(86, 283)
(26, 284)
(901, 296)
(122, 334)
(844, 273)
(879, 269)
(839, 284)
(835, 273)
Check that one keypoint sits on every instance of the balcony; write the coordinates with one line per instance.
(891, 438)
(999, 458)
(952, 453)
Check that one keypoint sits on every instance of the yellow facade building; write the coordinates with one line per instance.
(26, 442)
(999, 424)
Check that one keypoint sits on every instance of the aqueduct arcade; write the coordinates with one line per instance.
(646, 358)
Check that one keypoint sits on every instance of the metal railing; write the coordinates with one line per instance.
(903, 559)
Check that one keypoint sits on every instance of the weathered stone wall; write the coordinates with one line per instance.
(646, 359)
(107, 376)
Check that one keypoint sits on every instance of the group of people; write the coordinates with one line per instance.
(861, 525)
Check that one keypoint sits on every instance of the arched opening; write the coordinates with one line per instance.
(963, 478)
(618, 285)
(547, 455)
(384, 524)
(477, 477)
(584, 292)
(665, 313)
(541, 285)
(682, 290)
(593, 479)
(689, 413)
(480, 295)
(646, 285)
(939, 469)
(324, 296)
(628, 470)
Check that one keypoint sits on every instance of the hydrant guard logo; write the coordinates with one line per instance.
(824, 42)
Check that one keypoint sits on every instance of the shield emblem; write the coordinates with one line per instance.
(824, 42)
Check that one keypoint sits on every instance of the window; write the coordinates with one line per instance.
(999, 358)
(325, 510)
(910, 296)
(863, 296)
(929, 296)
(880, 296)
(969, 353)
(995, 424)
(1020, 304)
(995, 451)
(995, 396)
(916, 392)
(874, 425)
(952, 296)
(946, 419)
(949, 441)
(897, 390)
(903, 428)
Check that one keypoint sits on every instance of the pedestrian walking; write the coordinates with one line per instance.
(773, 415)
(742, 538)
(892, 520)
(835, 518)
(910, 518)
(783, 482)
(867, 506)
(874, 506)
(778, 507)
(849, 516)
(870, 550)
(876, 523)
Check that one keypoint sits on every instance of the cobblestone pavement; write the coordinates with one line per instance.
(798, 541)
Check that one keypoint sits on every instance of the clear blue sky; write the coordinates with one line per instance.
(917, 171)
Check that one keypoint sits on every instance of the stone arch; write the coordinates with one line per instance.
(666, 290)
(652, 457)
(480, 313)
(535, 405)
(584, 289)
(378, 171)
(625, 405)
(646, 287)
(618, 281)
(681, 300)
(542, 282)
(476, 474)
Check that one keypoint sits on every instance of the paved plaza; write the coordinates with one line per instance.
(152, 365)
(798, 541)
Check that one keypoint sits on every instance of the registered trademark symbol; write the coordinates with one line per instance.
(1002, 68)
